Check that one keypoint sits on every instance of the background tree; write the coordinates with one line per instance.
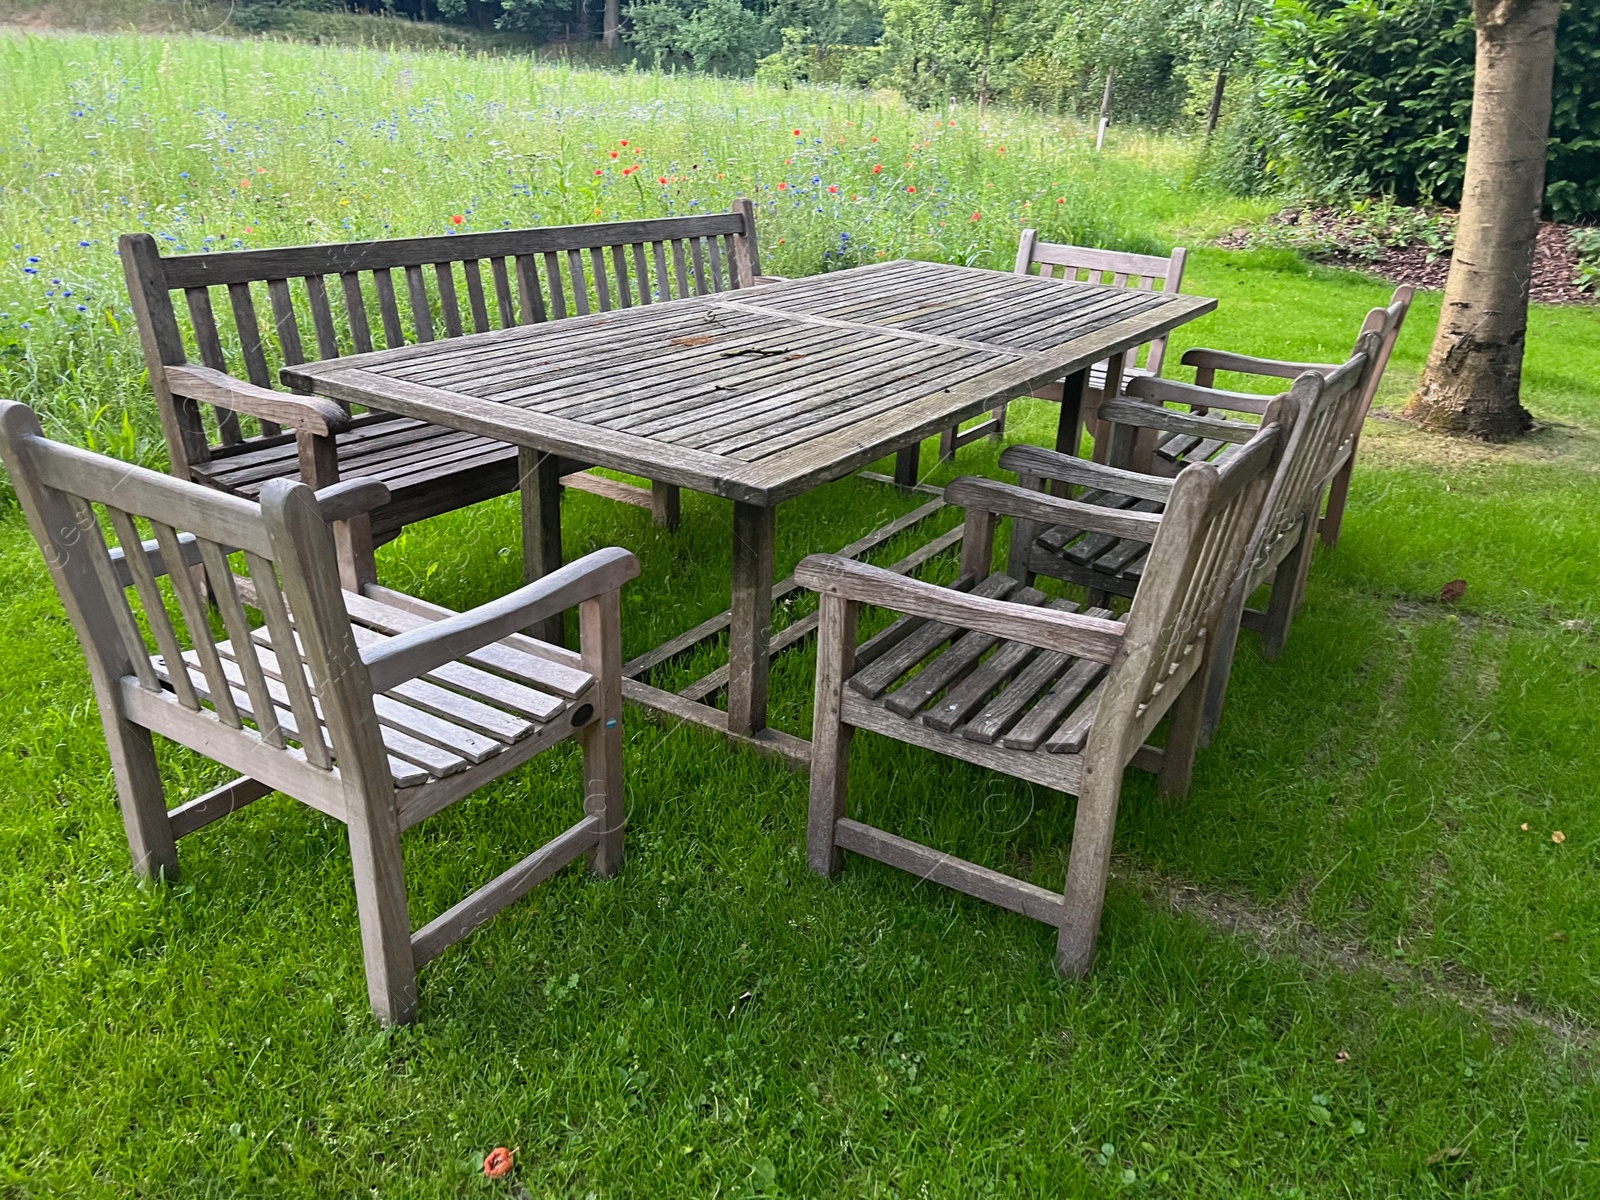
(1473, 380)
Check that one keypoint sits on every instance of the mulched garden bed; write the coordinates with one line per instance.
(1327, 234)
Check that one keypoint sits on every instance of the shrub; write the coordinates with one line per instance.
(1375, 96)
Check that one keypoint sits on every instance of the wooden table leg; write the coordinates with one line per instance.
(907, 463)
(750, 631)
(540, 475)
(1069, 426)
(1069, 429)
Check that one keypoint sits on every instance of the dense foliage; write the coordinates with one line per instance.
(1375, 96)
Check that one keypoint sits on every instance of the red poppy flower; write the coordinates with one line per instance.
(457, 219)
(911, 189)
(781, 186)
(878, 170)
(874, 139)
(977, 216)
(613, 154)
(797, 133)
(662, 180)
(498, 1163)
(244, 183)
(598, 171)
(1061, 199)
(623, 142)
(1002, 149)
(833, 191)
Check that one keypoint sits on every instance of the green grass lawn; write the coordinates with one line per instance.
(715, 1020)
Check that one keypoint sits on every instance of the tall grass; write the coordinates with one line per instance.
(216, 144)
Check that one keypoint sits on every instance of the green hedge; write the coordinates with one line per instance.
(1375, 96)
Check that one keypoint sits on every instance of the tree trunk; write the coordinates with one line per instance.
(1473, 381)
(613, 24)
(1214, 113)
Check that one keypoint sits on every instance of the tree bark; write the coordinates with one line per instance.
(613, 25)
(1473, 380)
(1214, 113)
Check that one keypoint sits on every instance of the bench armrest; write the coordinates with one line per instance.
(1006, 499)
(1246, 364)
(1048, 629)
(411, 654)
(303, 414)
(1038, 463)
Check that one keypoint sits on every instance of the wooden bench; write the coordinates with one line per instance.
(993, 672)
(372, 707)
(1114, 268)
(226, 426)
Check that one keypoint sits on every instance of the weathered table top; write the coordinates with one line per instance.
(761, 395)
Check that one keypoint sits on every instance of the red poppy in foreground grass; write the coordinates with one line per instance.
(878, 170)
(457, 219)
(833, 191)
(599, 171)
(977, 216)
(498, 1164)
(781, 186)
(623, 142)
(662, 180)
(911, 189)
(797, 133)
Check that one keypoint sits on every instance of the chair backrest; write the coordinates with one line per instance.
(205, 696)
(1386, 323)
(333, 299)
(1205, 531)
(1144, 272)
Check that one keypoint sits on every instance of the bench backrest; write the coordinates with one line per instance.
(327, 300)
(1143, 272)
(1386, 323)
(1205, 531)
(249, 708)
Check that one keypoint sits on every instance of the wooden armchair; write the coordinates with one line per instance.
(227, 428)
(1281, 546)
(1386, 323)
(372, 707)
(1029, 686)
(1144, 272)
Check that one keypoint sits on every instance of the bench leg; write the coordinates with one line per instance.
(141, 796)
(540, 476)
(947, 443)
(381, 903)
(1084, 898)
(600, 634)
(665, 504)
(830, 736)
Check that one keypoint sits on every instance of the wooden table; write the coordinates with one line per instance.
(757, 397)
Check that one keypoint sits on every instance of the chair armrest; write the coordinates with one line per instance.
(304, 414)
(1170, 391)
(1009, 500)
(1137, 412)
(1245, 364)
(350, 498)
(1039, 463)
(759, 279)
(1046, 628)
(411, 654)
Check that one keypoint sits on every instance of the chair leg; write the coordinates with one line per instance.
(381, 903)
(1185, 722)
(1085, 895)
(142, 797)
(906, 465)
(947, 443)
(665, 504)
(830, 736)
(600, 635)
(1338, 493)
(999, 430)
(1288, 584)
(1221, 663)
